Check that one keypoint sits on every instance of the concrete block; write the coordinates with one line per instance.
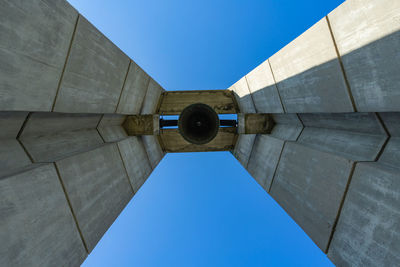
(136, 161)
(94, 74)
(52, 136)
(367, 34)
(153, 149)
(392, 122)
(152, 97)
(368, 230)
(308, 74)
(98, 189)
(11, 123)
(12, 157)
(391, 154)
(243, 96)
(264, 159)
(262, 86)
(35, 37)
(288, 126)
(309, 185)
(243, 148)
(350, 145)
(37, 227)
(110, 127)
(134, 91)
(367, 123)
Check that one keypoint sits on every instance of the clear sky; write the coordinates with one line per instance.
(203, 209)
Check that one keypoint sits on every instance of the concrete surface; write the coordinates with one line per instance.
(135, 160)
(94, 74)
(262, 86)
(350, 145)
(367, 34)
(368, 230)
(153, 149)
(35, 37)
(264, 159)
(392, 122)
(134, 91)
(243, 96)
(98, 189)
(288, 126)
(152, 97)
(308, 74)
(310, 185)
(51, 136)
(243, 148)
(37, 227)
(110, 127)
(10, 123)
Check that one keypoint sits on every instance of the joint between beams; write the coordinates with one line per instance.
(276, 87)
(123, 85)
(341, 66)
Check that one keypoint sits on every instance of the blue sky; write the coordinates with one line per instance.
(203, 209)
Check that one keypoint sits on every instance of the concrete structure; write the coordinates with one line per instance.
(80, 134)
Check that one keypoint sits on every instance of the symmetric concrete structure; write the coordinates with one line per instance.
(80, 135)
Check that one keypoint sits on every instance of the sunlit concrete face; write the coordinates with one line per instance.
(331, 159)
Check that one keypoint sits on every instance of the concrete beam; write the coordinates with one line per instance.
(152, 98)
(153, 149)
(367, 35)
(308, 73)
(35, 38)
(287, 126)
(37, 226)
(94, 74)
(98, 189)
(243, 148)
(243, 97)
(110, 127)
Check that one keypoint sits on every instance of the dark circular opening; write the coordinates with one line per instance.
(198, 123)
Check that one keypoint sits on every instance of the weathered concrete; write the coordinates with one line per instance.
(256, 123)
(12, 155)
(367, 34)
(392, 122)
(243, 148)
(367, 123)
(35, 37)
(135, 160)
(134, 90)
(152, 97)
(308, 73)
(110, 127)
(243, 96)
(94, 74)
(288, 126)
(37, 227)
(153, 149)
(264, 159)
(310, 185)
(368, 230)
(350, 145)
(52, 136)
(262, 86)
(98, 189)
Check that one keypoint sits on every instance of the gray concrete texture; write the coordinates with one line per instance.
(152, 97)
(136, 161)
(98, 189)
(110, 127)
(368, 230)
(309, 185)
(94, 74)
(48, 137)
(243, 148)
(153, 149)
(243, 96)
(367, 34)
(264, 159)
(262, 86)
(134, 91)
(12, 154)
(35, 37)
(308, 73)
(37, 226)
(287, 126)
